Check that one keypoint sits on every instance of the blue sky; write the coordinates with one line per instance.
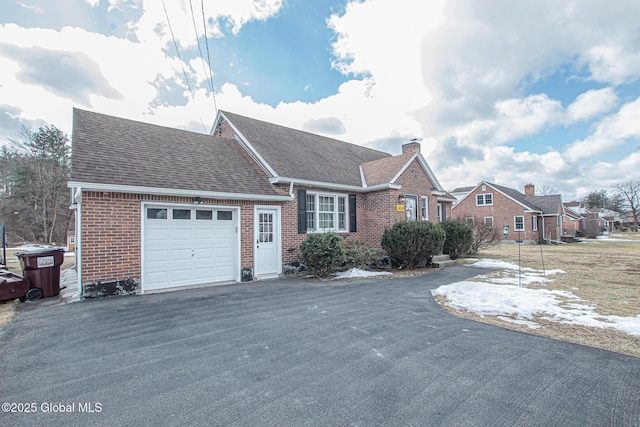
(509, 92)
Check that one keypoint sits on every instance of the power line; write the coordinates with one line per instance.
(177, 51)
(206, 41)
(204, 68)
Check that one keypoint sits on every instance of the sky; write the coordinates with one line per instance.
(541, 92)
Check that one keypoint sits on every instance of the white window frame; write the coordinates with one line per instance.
(481, 199)
(488, 218)
(534, 223)
(515, 223)
(470, 221)
(314, 228)
(425, 208)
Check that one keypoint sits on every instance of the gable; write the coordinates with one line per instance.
(113, 151)
(292, 153)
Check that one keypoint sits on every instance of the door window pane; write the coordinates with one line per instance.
(182, 214)
(204, 215)
(265, 228)
(224, 215)
(155, 213)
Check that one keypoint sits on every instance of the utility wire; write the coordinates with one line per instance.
(206, 41)
(177, 51)
(204, 67)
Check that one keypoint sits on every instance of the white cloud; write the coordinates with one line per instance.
(592, 103)
(610, 133)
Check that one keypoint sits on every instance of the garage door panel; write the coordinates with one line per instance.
(182, 252)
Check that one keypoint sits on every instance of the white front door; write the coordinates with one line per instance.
(267, 238)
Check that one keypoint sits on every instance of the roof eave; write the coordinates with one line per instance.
(134, 189)
(334, 186)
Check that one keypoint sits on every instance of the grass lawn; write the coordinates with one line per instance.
(606, 273)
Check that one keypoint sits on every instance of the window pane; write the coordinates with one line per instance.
(182, 214)
(425, 211)
(519, 223)
(204, 215)
(153, 213)
(488, 199)
(311, 202)
(411, 208)
(325, 221)
(489, 221)
(311, 220)
(342, 213)
(326, 204)
(480, 199)
(224, 215)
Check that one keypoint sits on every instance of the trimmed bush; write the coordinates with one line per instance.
(361, 255)
(409, 243)
(459, 238)
(323, 253)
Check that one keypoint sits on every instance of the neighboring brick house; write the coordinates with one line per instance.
(525, 218)
(160, 208)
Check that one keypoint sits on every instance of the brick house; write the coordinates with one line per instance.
(159, 208)
(522, 217)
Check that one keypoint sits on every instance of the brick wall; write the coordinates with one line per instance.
(503, 212)
(111, 232)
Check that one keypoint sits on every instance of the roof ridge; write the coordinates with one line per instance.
(226, 113)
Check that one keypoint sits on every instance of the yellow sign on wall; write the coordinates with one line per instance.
(399, 208)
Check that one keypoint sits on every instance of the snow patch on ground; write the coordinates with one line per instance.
(356, 273)
(502, 297)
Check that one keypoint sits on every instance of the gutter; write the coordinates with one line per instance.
(332, 186)
(177, 192)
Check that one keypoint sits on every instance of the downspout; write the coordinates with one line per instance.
(78, 246)
(543, 237)
(291, 190)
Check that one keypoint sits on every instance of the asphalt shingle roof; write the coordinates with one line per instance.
(382, 171)
(112, 150)
(548, 205)
(302, 155)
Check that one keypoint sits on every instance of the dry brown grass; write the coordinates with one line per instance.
(606, 273)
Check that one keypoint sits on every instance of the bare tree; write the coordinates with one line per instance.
(34, 195)
(546, 190)
(485, 234)
(630, 190)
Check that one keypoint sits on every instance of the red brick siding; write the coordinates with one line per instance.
(111, 232)
(503, 212)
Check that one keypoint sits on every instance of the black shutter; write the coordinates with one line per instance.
(302, 211)
(352, 213)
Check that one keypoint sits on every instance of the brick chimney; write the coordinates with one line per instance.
(411, 146)
(530, 190)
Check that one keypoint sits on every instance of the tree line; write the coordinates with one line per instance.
(34, 198)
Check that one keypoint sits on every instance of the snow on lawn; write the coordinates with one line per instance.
(503, 297)
(356, 272)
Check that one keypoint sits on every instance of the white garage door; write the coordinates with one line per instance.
(186, 246)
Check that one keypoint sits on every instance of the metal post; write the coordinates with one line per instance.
(4, 247)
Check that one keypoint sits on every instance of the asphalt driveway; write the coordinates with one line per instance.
(291, 353)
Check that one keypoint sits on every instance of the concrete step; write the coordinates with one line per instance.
(440, 261)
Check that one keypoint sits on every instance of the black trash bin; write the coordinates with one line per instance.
(42, 269)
